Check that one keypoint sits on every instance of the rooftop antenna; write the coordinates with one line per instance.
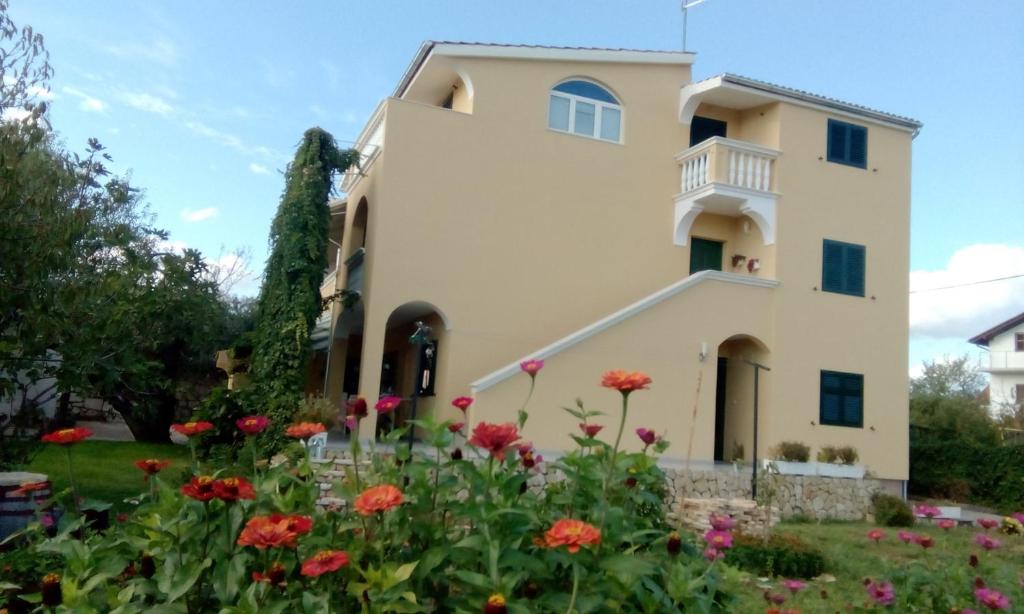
(685, 6)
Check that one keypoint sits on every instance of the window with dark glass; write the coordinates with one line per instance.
(847, 144)
(842, 268)
(842, 399)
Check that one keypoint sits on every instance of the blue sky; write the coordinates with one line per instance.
(203, 103)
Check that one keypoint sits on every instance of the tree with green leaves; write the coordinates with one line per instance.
(289, 301)
(947, 399)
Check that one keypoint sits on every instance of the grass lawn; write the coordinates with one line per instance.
(105, 470)
(853, 557)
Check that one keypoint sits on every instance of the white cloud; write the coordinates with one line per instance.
(229, 140)
(148, 103)
(258, 169)
(198, 216)
(40, 93)
(172, 245)
(86, 102)
(14, 114)
(160, 51)
(967, 310)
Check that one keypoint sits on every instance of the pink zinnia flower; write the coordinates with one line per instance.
(252, 425)
(776, 598)
(906, 536)
(351, 422)
(876, 535)
(647, 436)
(721, 523)
(987, 523)
(712, 554)
(928, 511)
(946, 524)
(462, 403)
(590, 430)
(388, 404)
(1018, 516)
(993, 600)
(456, 427)
(880, 592)
(718, 539)
(794, 586)
(986, 542)
(531, 367)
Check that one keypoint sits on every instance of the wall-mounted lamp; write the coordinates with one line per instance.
(703, 350)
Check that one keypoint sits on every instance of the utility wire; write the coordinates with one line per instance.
(970, 283)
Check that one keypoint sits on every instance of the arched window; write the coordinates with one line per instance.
(585, 108)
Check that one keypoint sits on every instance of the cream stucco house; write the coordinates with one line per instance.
(1005, 345)
(599, 209)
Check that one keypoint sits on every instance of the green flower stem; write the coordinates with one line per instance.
(71, 480)
(437, 481)
(192, 449)
(575, 587)
(613, 459)
(522, 410)
(354, 447)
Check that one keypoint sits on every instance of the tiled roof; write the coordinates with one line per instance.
(522, 46)
(815, 98)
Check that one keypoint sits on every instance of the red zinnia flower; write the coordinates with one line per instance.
(531, 367)
(378, 499)
(28, 488)
(388, 404)
(906, 536)
(323, 562)
(52, 596)
(456, 427)
(200, 488)
(462, 403)
(252, 425)
(572, 534)
(191, 429)
(987, 523)
(304, 430)
(495, 438)
(924, 541)
(67, 437)
(152, 466)
(625, 381)
(264, 532)
(590, 430)
(647, 436)
(946, 524)
(233, 489)
(357, 408)
(274, 576)
(876, 535)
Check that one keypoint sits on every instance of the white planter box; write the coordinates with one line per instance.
(832, 470)
(791, 468)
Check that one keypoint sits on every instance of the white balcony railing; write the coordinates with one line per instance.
(1001, 360)
(369, 145)
(729, 162)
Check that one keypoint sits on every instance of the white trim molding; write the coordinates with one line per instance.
(619, 316)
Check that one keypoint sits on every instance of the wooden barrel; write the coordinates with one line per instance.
(18, 510)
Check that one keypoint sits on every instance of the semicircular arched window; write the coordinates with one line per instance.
(585, 108)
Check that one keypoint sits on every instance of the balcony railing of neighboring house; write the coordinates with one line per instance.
(1001, 360)
(354, 264)
(726, 177)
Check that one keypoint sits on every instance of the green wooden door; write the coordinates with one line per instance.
(705, 255)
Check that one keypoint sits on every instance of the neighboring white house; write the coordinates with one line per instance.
(1005, 345)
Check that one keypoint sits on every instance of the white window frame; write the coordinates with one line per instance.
(599, 107)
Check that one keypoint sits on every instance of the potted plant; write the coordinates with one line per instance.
(790, 458)
(839, 462)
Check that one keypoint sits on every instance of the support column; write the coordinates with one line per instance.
(375, 330)
(336, 372)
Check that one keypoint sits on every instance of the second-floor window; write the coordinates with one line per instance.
(1018, 342)
(842, 399)
(847, 144)
(585, 108)
(842, 268)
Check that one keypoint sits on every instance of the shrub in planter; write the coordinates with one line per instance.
(792, 452)
(783, 555)
(891, 511)
(840, 455)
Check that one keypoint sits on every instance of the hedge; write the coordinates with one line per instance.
(947, 468)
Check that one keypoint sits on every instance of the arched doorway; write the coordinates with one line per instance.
(739, 357)
(414, 346)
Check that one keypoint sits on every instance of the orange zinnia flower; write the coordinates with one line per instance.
(495, 438)
(378, 499)
(263, 532)
(200, 488)
(572, 534)
(233, 489)
(323, 562)
(298, 524)
(191, 429)
(28, 488)
(304, 430)
(152, 466)
(66, 437)
(495, 604)
(625, 381)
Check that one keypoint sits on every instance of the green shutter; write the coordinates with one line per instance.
(842, 268)
(832, 266)
(836, 141)
(705, 255)
(847, 144)
(854, 270)
(858, 154)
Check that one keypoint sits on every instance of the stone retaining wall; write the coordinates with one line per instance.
(815, 497)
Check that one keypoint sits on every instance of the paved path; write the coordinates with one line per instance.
(115, 430)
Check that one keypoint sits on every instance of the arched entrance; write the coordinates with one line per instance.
(414, 346)
(735, 397)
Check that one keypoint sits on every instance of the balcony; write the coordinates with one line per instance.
(726, 177)
(354, 264)
(369, 144)
(329, 284)
(1001, 360)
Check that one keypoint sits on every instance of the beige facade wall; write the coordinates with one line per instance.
(519, 235)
